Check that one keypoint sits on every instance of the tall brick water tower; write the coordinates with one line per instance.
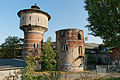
(34, 24)
(70, 49)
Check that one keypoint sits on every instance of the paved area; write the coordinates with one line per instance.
(12, 63)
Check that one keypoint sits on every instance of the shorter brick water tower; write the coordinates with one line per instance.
(34, 24)
(70, 49)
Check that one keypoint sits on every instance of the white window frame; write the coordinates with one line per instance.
(65, 47)
(80, 50)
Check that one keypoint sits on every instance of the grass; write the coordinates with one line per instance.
(107, 77)
(110, 79)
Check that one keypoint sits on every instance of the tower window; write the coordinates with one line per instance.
(42, 44)
(38, 18)
(37, 45)
(79, 36)
(62, 34)
(57, 57)
(80, 50)
(65, 48)
(23, 18)
(34, 45)
(30, 17)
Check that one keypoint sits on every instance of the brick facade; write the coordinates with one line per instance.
(70, 48)
(32, 42)
(34, 24)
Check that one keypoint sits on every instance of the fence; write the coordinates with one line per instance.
(104, 68)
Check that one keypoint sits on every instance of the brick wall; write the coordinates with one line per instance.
(70, 49)
(32, 42)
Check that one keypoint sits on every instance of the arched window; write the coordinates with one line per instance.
(34, 45)
(37, 45)
(65, 48)
(80, 50)
(79, 36)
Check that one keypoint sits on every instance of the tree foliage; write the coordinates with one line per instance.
(11, 47)
(30, 68)
(48, 56)
(104, 19)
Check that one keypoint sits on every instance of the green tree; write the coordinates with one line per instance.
(104, 19)
(30, 68)
(48, 56)
(11, 47)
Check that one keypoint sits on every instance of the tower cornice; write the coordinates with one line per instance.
(34, 10)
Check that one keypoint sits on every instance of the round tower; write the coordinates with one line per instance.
(34, 24)
(70, 48)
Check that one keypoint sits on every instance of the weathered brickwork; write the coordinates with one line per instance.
(115, 56)
(70, 48)
(32, 41)
(34, 24)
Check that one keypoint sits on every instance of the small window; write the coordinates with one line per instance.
(30, 17)
(42, 44)
(80, 50)
(23, 18)
(38, 18)
(37, 45)
(62, 34)
(65, 48)
(79, 36)
(57, 57)
(34, 45)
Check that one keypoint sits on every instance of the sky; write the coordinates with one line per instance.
(64, 14)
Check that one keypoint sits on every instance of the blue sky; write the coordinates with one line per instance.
(64, 13)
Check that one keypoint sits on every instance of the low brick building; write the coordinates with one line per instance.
(70, 49)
